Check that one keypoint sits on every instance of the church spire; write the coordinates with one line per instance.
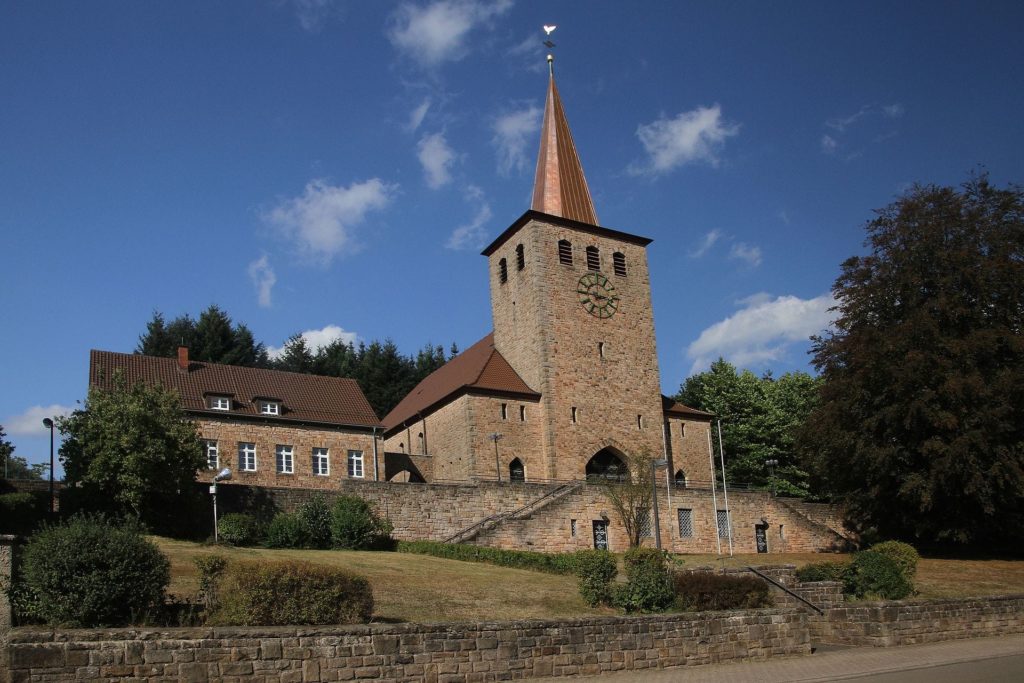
(560, 188)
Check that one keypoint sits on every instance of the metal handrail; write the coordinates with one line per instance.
(786, 590)
(564, 488)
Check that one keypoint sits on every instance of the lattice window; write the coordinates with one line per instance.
(646, 525)
(565, 252)
(619, 263)
(520, 258)
(723, 524)
(593, 258)
(502, 271)
(685, 517)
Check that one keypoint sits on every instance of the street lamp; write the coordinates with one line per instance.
(771, 463)
(48, 423)
(223, 475)
(496, 437)
(655, 464)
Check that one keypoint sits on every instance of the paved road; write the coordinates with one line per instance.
(978, 659)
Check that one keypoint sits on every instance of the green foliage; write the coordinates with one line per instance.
(15, 467)
(286, 593)
(21, 513)
(315, 517)
(286, 531)
(89, 572)
(595, 571)
(761, 417)
(211, 569)
(630, 496)
(550, 563)
(903, 554)
(648, 586)
(705, 591)
(920, 431)
(212, 339)
(6, 450)
(823, 571)
(874, 574)
(238, 528)
(130, 450)
(355, 526)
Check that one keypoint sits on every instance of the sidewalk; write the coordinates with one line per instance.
(831, 664)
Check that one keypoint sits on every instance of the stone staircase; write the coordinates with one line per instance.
(524, 512)
(842, 539)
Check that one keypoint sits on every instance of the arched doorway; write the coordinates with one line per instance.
(607, 463)
(680, 478)
(516, 471)
(407, 477)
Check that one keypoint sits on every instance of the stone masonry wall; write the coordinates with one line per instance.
(520, 436)
(449, 653)
(687, 446)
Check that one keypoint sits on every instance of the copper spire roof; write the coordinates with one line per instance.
(560, 188)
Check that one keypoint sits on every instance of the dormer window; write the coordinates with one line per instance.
(270, 408)
(218, 402)
(593, 259)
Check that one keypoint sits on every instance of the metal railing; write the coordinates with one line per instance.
(475, 528)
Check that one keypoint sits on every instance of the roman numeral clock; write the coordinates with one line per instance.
(597, 295)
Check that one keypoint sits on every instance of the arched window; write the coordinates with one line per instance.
(502, 271)
(680, 478)
(607, 464)
(520, 257)
(593, 259)
(516, 471)
(565, 252)
(619, 263)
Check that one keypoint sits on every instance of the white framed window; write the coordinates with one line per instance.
(685, 517)
(285, 459)
(212, 459)
(247, 456)
(270, 408)
(218, 402)
(355, 464)
(321, 462)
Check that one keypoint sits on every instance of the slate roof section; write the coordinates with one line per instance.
(480, 368)
(676, 409)
(333, 401)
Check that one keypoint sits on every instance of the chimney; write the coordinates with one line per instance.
(183, 358)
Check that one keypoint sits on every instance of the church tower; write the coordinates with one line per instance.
(571, 304)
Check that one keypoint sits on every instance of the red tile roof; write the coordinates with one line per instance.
(671, 407)
(304, 398)
(480, 368)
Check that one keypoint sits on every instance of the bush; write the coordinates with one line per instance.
(823, 571)
(21, 513)
(903, 554)
(354, 526)
(237, 528)
(551, 563)
(211, 569)
(286, 593)
(704, 591)
(315, 517)
(648, 585)
(595, 570)
(91, 572)
(874, 574)
(286, 531)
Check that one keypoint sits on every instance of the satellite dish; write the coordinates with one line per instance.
(223, 475)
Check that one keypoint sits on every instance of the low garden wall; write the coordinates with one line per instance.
(409, 652)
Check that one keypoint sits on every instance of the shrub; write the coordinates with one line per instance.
(354, 526)
(705, 591)
(237, 528)
(286, 531)
(595, 570)
(21, 513)
(91, 572)
(285, 593)
(823, 571)
(903, 554)
(211, 569)
(315, 517)
(875, 574)
(648, 585)
(551, 563)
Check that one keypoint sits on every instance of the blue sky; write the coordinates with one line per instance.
(333, 167)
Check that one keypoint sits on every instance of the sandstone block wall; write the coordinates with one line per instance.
(687, 446)
(409, 652)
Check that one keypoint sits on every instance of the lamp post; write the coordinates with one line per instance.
(223, 475)
(655, 464)
(496, 437)
(771, 463)
(48, 423)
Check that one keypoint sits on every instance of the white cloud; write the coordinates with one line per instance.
(705, 244)
(843, 122)
(531, 51)
(762, 331)
(692, 136)
(750, 253)
(471, 235)
(320, 222)
(893, 111)
(313, 13)
(437, 32)
(828, 144)
(316, 339)
(513, 131)
(30, 422)
(417, 115)
(263, 279)
(436, 157)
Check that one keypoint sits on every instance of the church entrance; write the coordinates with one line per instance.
(607, 463)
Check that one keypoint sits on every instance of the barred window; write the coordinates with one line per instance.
(572, 528)
(285, 459)
(619, 263)
(646, 525)
(593, 258)
(502, 271)
(520, 258)
(685, 517)
(565, 252)
(212, 458)
(723, 524)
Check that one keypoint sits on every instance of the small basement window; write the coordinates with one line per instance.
(565, 252)
(619, 263)
(502, 271)
(593, 258)
(520, 258)
(218, 403)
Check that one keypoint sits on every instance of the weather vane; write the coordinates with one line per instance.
(548, 30)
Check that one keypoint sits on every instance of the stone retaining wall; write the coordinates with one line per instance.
(409, 652)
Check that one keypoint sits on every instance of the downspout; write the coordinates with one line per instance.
(376, 474)
(714, 496)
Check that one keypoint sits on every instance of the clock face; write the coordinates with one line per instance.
(597, 295)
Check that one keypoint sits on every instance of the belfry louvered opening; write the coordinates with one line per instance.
(502, 271)
(619, 263)
(593, 259)
(565, 252)
(520, 257)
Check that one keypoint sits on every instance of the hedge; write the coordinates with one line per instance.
(550, 563)
(704, 591)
